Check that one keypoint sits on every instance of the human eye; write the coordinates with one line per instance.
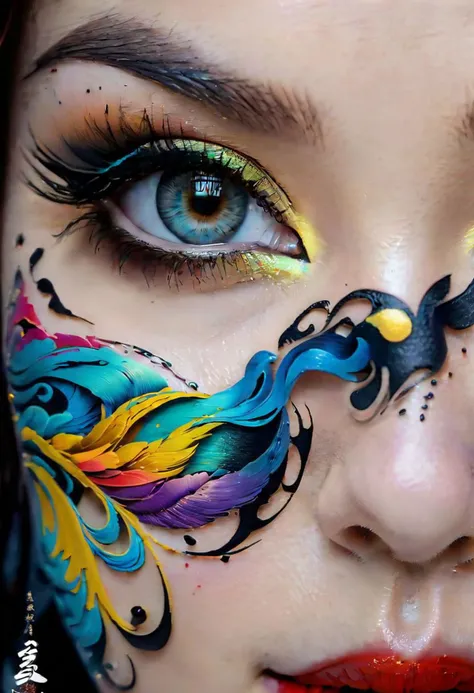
(201, 211)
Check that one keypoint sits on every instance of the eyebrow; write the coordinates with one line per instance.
(163, 57)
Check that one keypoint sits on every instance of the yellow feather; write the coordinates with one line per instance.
(71, 543)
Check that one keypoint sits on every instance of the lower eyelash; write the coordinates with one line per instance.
(125, 248)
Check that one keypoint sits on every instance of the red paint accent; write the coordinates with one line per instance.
(186, 565)
(387, 673)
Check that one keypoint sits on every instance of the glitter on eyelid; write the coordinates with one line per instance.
(279, 267)
(469, 240)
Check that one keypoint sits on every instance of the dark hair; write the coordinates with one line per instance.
(15, 526)
(13, 504)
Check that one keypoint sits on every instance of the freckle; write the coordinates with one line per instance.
(402, 412)
(88, 91)
(450, 375)
(464, 350)
(425, 406)
(100, 88)
(422, 417)
(434, 382)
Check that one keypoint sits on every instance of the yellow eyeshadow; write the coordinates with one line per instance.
(469, 240)
(276, 267)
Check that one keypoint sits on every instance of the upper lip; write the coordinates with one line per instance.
(387, 672)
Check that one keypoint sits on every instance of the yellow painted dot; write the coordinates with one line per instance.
(393, 324)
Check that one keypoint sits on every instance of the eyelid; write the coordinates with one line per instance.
(85, 184)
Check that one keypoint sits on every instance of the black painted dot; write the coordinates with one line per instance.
(54, 69)
(225, 559)
(190, 541)
(20, 239)
(402, 412)
(450, 375)
(464, 350)
(422, 417)
(434, 382)
(424, 406)
(139, 615)
(88, 91)
(430, 395)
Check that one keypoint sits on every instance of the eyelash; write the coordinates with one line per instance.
(107, 161)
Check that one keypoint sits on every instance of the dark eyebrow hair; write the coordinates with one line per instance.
(164, 57)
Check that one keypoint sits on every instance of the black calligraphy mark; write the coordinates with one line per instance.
(401, 342)
(45, 286)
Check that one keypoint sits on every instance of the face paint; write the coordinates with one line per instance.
(102, 418)
(45, 286)
(401, 342)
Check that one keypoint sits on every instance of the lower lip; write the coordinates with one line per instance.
(387, 674)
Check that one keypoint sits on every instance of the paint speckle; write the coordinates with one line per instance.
(450, 374)
(20, 239)
(424, 406)
(54, 69)
(88, 91)
(430, 395)
(186, 565)
(464, 350)
(434, 382)
(402, 412)
(422, 417)
(106, 109)
(225, 559)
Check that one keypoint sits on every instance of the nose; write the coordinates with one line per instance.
(405, 488)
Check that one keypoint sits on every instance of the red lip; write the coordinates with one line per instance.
(386, 673)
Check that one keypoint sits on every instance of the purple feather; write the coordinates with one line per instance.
(165, 494)
(214, 499)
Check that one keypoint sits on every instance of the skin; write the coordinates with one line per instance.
(391, 192)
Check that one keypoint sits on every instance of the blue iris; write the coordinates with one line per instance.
(200, 207)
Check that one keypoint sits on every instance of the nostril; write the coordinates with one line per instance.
(462, 550)
(359, 540)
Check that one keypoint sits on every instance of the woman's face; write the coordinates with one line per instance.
(213, 169)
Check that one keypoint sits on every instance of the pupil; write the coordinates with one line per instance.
(205, 194)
